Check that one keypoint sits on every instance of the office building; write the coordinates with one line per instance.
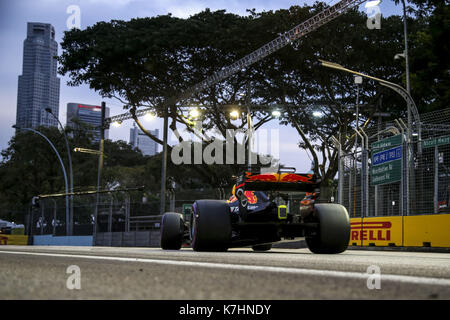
(144, 143)
(86, 117)
(38, 86)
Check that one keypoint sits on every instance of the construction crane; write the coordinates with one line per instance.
(283, 40)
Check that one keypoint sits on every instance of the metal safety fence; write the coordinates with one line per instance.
(392, 171)
(116, 212)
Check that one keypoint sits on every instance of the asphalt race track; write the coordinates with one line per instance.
(149, 273)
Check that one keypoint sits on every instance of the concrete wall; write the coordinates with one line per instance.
(128, 239)
(49, 240)
(104, 239)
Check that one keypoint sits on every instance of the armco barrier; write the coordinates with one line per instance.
(12, 239)
(398, 231)
(116, 240)
(128, 239)
(49, 240)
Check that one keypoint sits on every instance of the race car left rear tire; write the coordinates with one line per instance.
(211, 225)
(333, 233)
(172, 230)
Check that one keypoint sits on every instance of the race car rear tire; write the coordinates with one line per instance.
(172, 230)
(211, 225)
(262, 247)
(333, 233)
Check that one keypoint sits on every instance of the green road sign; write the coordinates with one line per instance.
(387, 143)
(436, 142)
(386, 173)
(386, 166)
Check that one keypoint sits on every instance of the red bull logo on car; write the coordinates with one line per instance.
(250, 195)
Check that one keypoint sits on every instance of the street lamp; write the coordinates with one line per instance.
(164, 151)
(103, 126)
(371, 4)
(234, 114)
(358, 81)
(149, 116)
(412, 108)
(317, 114)
(276, 113)
(69, 156)
(194, 113)
(405, 31)
(399, 56)
(84, 150)
(63, 169)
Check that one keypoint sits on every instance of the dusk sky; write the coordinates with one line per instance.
(14, 16)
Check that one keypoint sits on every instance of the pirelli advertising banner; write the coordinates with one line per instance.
(408, 231)
(376, 231)
(427, 231)
(13, 239)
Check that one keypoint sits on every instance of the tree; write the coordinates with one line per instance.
(30, 167)
(430, 77)
(131, 61)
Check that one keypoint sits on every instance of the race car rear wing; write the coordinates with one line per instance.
(287, 181)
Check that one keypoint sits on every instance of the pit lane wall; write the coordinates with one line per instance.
(49, 240)
(398, 231)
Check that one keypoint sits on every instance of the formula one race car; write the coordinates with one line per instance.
(258, 214)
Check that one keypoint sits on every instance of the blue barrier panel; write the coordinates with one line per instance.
(49, 240)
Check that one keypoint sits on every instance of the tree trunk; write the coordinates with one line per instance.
(326, 191)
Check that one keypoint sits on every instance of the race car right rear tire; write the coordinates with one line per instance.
(172, 230)
(333, 234)
(211, 225)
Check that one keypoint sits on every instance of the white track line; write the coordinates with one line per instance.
(242, 267)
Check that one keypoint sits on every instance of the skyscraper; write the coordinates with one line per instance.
(89, 115)
(38, 86)
(144, 143)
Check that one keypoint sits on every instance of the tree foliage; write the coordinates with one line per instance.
(30, 167)
(430, 66)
